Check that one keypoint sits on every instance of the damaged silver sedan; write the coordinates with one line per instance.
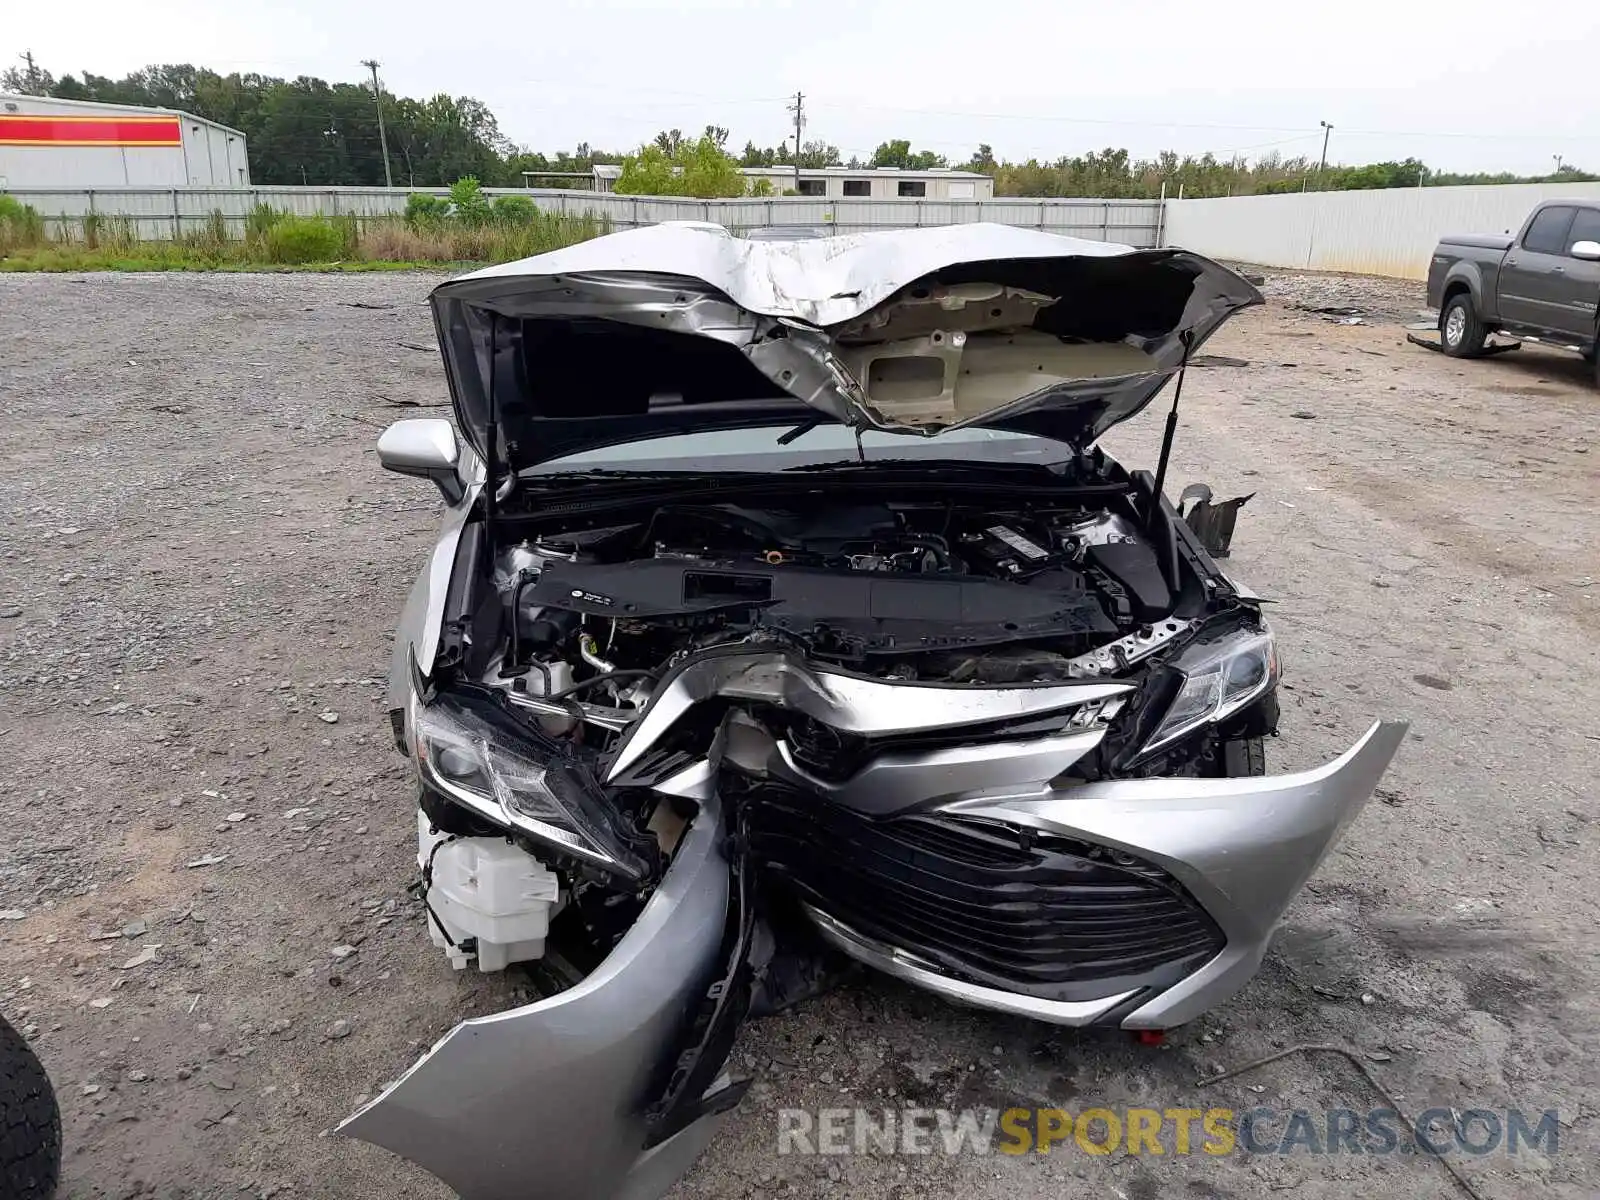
(786, 613)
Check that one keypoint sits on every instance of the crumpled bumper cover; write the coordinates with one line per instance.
(1241, 847)
(547, 1101)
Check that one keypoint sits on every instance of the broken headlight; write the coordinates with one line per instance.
(1218, 679)
(482, 758)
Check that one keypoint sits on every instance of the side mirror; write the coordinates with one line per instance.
(1586, 250)
(425, 447)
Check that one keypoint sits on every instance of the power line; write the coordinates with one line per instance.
(1133, 124)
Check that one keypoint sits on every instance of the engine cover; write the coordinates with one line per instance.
(868, 611)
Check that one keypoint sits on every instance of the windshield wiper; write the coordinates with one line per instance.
(963, 466)
(605, 479)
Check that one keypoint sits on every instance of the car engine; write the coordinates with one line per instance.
(911, 592)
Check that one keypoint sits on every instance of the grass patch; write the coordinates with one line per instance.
(273, 240)
(21, 228)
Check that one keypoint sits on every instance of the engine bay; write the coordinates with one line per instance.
(601, 607)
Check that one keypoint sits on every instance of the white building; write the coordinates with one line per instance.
(838, 183)
(49, 143)
(877, 183)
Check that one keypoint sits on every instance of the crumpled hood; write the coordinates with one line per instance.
(674, 328)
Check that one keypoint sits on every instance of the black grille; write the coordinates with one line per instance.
(995, 904)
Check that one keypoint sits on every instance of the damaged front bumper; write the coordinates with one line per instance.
(552, 1099)
(548, 1101)
(1242, 848)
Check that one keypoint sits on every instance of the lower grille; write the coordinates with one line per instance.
(991, 903)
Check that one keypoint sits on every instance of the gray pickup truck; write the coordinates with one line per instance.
(1543, 285)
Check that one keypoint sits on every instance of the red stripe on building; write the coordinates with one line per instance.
(20, 129)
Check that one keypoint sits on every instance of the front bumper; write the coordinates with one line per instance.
(1242, 848)
(548, 1101)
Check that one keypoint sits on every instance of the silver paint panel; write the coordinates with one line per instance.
(1242, 847)
(893, 782)
(545, 1102)
(422, 618)
(849, 703)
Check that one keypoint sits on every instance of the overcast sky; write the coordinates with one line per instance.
(1468, 85)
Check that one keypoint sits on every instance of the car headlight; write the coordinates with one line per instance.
(1219, 679)
(482, 758)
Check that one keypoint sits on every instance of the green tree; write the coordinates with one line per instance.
(650, 172)
(982, 160)
(815, 155)
(758, 156)
(674, 166)
(30, 79)
(898, 153)
(709, 171)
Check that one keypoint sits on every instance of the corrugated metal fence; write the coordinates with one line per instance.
(168, 212)
(1387, 232)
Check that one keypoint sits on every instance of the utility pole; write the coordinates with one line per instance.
(31, 77)
(1557, 157)
(383, 138)
(1322, 166)
(798, 108)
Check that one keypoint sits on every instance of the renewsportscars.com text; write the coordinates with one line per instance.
(1165, 1131)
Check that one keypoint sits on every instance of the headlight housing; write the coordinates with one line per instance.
(1218, 679)
(469, 750)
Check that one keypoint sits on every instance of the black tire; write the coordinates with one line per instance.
(1470, 343)
(30, 1122)
(1244, 756)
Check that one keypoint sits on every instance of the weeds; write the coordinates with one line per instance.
(307, 240)
(427, 234)
(468, 204)
(20, 226)
(424, 211)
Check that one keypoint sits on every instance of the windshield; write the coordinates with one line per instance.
(760, 449)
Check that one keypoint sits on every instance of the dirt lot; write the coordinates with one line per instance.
(201, 568)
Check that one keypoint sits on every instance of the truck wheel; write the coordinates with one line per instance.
(1460, 332)
(30, 1122)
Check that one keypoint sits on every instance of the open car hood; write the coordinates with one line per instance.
(676, 328)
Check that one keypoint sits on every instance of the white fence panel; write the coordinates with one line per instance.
(168, 212)
(1388, 232)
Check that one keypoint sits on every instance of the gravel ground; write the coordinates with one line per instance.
(208, 837)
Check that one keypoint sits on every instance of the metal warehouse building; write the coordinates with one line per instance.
(48, 143)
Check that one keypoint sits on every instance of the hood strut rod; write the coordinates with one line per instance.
(1187, 338)
(492, 433)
